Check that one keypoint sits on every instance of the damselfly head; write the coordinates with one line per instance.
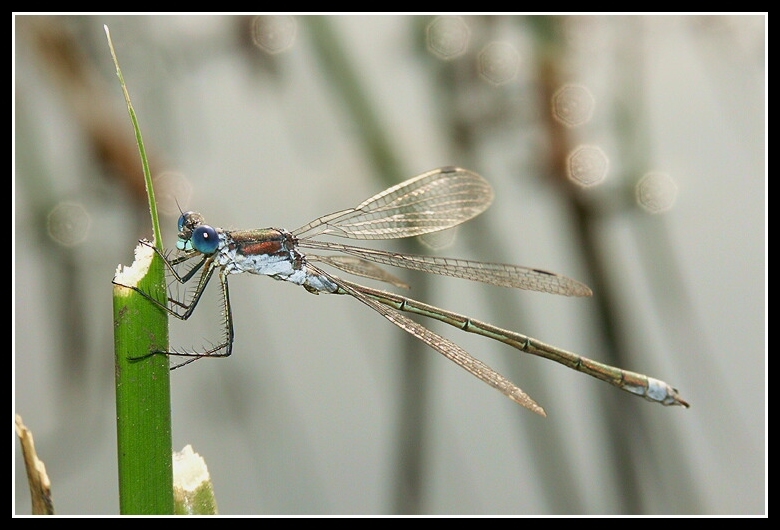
(188, 222)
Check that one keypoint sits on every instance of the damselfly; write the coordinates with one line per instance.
(433, 201)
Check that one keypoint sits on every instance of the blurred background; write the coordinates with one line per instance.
(626, 152)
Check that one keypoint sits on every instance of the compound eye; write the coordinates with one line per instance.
(204, 239)
(189, 220)
(183, 219)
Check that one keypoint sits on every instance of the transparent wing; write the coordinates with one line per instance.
(499, 274)
(444, 346)
(359, 267)
(433, 201)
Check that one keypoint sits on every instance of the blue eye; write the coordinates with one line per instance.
(183, 219)
(204, 239)
(188, 222)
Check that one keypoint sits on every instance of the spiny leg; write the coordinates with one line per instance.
(227, 344)
(189, 307)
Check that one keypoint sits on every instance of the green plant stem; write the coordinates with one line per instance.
(143, 401)
(143, 408)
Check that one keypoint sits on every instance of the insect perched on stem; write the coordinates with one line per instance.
(430, 202)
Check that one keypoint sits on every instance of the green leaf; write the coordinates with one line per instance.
(143, 402)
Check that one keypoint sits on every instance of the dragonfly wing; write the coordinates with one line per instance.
(359, 267)
(444, 346)
(499, 274)
(430, 202)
